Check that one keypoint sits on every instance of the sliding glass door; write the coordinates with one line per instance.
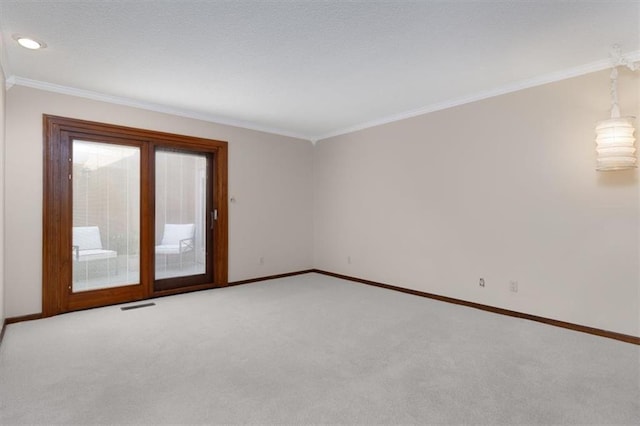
(130, 214)
(106, 215)
(184, 218)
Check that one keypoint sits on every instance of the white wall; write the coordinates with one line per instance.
(270, 177)
(2, 180)
(503, 189)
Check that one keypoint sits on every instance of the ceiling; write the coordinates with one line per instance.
(303, 68)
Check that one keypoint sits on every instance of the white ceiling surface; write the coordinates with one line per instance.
(303, 68)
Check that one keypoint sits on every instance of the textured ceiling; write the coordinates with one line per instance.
(303, 68)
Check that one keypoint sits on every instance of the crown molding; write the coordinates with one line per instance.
(96, 96)
(524, 84)
(521, 85)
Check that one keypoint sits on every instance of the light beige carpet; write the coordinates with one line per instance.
(311, 349)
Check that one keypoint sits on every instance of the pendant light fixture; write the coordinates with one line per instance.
(614, 136)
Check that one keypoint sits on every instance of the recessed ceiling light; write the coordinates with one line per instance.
(29, 43)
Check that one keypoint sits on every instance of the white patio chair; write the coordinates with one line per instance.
(177, 239)
(87, 245)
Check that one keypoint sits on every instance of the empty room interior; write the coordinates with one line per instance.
(293, 212)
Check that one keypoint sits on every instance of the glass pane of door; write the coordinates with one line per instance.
(181, 214)
(106, 215)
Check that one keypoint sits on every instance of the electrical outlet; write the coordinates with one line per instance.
(481, 282)
(513, 286)
(261, 260)
(349, 260)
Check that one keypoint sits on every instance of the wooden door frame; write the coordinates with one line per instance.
(56, 193)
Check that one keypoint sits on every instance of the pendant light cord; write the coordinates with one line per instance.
(615, 110)
(617, 59)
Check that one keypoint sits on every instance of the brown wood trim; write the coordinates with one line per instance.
(180, 290)
(221, 231)
(271, 277)
(21, 318)
(12, 320)
(133, 133)
(212, 286)
(563, 324)
(51, 262)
